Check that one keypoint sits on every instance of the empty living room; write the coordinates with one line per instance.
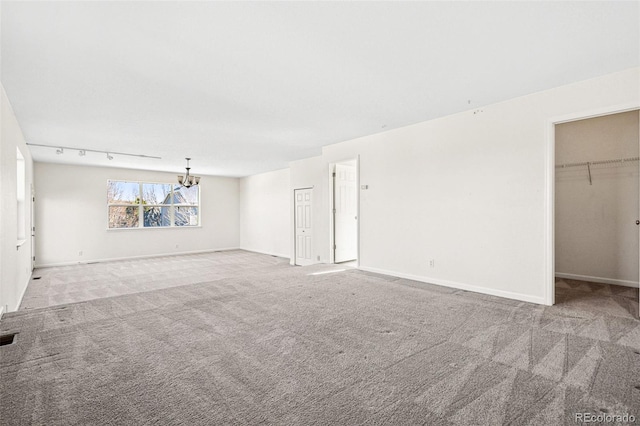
(319, 212)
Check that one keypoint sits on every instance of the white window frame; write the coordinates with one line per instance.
(141, 207)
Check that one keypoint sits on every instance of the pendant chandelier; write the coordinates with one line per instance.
(187, 180)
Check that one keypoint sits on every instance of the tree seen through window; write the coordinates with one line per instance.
(159, 205)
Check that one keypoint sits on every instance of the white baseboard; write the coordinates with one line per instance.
(146, 256)
(286, 256)
(5, 309)
(602, 280)
(24, 291)
(461, 286)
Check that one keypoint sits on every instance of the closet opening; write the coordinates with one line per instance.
(597, 214)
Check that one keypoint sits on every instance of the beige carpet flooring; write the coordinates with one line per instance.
(242, 338)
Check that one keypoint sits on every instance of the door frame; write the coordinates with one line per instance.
(550, 186)
(294, 256)
(332, 228)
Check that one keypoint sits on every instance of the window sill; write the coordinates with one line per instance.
(148, 228)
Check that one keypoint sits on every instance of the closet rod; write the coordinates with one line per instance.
(592, 163)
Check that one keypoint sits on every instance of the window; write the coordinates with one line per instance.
(151, 205)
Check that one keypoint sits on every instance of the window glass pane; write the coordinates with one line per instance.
(157, 216)
(186, 195)
(156, 193)
(119, 192)
(123, 217)
(186, 216)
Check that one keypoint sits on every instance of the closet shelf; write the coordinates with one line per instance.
(593, 163)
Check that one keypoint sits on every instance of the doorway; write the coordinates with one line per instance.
(344, 211)
(596, 213)
(303, 247)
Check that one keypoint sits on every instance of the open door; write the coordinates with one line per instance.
(345, 212)
(33, 228)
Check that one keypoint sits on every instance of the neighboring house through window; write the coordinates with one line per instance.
(158, 204)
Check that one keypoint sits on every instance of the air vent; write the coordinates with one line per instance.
(7, 339)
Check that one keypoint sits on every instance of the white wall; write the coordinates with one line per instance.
(71, 216)
(15, 264)
(265, 213)
(596, 234)
(468, 191)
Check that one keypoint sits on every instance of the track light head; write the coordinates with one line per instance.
(59, 151)
(109, 157)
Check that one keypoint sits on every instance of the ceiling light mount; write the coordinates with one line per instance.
(187, 180)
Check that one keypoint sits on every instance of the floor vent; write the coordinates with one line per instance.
(7, 339)
(36, 278)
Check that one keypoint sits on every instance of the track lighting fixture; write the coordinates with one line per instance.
(82, 152)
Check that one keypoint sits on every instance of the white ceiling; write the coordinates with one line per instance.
(247, 87)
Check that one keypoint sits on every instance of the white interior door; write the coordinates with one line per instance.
(345, 213)
(303, 206)
(32, 228)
